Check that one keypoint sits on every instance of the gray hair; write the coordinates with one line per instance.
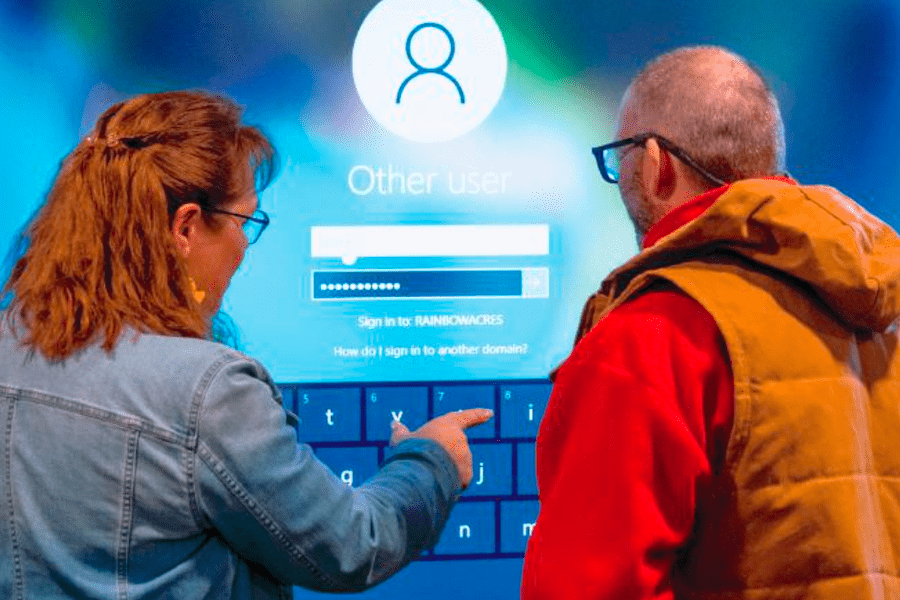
(714, 105)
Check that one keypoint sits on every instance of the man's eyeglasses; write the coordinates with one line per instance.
(253, 226)
(608, 156)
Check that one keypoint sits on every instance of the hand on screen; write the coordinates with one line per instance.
(449, 431)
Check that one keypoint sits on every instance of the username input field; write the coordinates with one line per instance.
(352, 242)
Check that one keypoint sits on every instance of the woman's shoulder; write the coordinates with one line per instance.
(172, 354)
(201, 376)
(157, 379)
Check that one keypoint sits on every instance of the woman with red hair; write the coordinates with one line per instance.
(140, 458)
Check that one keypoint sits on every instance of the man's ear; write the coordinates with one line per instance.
(659, 172)
(184, 226)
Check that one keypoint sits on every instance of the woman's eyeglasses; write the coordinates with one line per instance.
(253, 225)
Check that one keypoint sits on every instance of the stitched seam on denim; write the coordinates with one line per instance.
(259, 513)
(194, 436)
(128, 482)
(124, 422)
(14, 541)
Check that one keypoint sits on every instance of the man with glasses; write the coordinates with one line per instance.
(726, 425)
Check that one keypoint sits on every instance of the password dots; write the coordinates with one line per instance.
(338, 287)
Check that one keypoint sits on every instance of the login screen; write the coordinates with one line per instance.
(432, 219)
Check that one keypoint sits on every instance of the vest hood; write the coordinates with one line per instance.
(815, 234)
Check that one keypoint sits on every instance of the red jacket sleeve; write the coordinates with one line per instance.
(638, 419)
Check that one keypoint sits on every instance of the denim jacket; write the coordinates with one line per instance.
(169, 469)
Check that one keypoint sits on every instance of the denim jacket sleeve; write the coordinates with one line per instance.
(280, 508)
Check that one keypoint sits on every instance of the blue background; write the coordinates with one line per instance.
(835, 67)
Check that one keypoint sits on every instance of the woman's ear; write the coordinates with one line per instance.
(184, 227)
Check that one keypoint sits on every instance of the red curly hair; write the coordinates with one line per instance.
(100, 254)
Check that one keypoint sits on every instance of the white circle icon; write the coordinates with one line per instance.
(429, 70)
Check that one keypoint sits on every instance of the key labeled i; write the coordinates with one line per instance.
(522, 408)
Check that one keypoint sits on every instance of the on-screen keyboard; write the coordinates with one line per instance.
(348, 426)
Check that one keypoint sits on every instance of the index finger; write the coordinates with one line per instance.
(470, 417)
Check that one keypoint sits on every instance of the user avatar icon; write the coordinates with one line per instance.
(429, 70)
(439, 70)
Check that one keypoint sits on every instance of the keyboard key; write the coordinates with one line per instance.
(492, 466)
(470, 530)
(352, 465)
(526, 473)
(521, 408)
(448, 398)
(409, 405)
(328, 414)
(517, 519)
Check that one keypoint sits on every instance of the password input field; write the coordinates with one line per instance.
(408, 284)
(353, 242)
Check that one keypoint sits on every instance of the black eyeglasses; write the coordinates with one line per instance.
(253, 226)
(608, 158)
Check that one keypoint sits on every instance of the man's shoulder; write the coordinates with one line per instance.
(660, 312)
(658, 305)
(661, 298)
